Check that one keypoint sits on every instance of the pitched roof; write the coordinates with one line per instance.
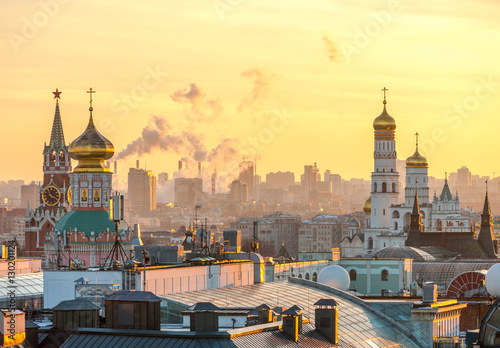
(75, 305)
(446, 194)
(57, 134)
(139, 296)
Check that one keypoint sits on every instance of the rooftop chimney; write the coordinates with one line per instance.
(136, 239)
(430, 293)
(291, 318)
(204, 317)
(12, 330)
(327, 318)
(68, 315)
(180, 166)
(266, 314)
(133, 310)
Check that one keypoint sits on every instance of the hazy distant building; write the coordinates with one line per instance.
(162, 178)
(336, 181)
(29, 194)
(247, 176)
(238, 192)
(280, 179)
(141, 191)
(464, 177)
(188, 190)
(309, 181)
(322, 233)
(277, 229)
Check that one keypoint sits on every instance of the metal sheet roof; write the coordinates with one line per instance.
(96, 340)
(139, 296)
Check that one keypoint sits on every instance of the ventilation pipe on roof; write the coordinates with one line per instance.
(327, 318)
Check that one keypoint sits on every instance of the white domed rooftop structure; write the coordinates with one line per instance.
(403, 252)
(354, 223)
(492, 280)
(334, 276)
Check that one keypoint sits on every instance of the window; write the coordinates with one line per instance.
(393, 187)
(352, 275)
(384, 276)
(383, 212)
(307, 276)
(395, 214)
(396, 225)
(374, 187)
(84, 195)
(315, 277)
(384, 187)
(370, 243)
(97, 195)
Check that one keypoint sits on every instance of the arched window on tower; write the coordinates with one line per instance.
(384, 276)
(395, 214)
(370, 243)
(61, 156)
(374, 187)
(393, 187)
(52, 156)
(352, 275)
(384, 187)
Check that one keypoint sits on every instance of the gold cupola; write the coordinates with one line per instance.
(91, 148)
(384, 122)
(416, 160)
(367, 207)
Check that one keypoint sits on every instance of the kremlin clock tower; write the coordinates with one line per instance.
(55, 192)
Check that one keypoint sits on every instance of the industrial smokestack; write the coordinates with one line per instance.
(116, 167)
(214, 179)
(180, 166)
(137, 164)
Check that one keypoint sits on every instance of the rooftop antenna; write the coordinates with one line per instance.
(116, 213)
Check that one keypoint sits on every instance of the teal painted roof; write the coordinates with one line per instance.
(88, 221)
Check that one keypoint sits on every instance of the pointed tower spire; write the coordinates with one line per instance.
(413, 238)
(57, 135)
(446, 194)
(416, 207)
(486, 236)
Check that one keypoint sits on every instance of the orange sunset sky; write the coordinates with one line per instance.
(292, 81)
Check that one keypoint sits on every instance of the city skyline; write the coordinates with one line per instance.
(308, 92)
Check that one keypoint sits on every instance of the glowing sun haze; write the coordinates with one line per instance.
(292, 81)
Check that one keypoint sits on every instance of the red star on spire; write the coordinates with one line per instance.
(57, 94)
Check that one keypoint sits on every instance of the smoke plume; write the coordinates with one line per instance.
(331, 48)
(201, 109)
(261, 81)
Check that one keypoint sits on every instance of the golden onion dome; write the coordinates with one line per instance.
(416, 160)
(91, 149)
(367, 207)
(384, 122)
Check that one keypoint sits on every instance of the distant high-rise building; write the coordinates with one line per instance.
(239, 192)
(29, 195)
(280, 179)
(188, 190)
(309, 181)
(142, 191)
(464, 177)
(162, 178)
(247, 176)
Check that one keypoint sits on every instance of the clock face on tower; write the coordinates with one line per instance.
(51, 195)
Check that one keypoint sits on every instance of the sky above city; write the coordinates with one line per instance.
(289, 82)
